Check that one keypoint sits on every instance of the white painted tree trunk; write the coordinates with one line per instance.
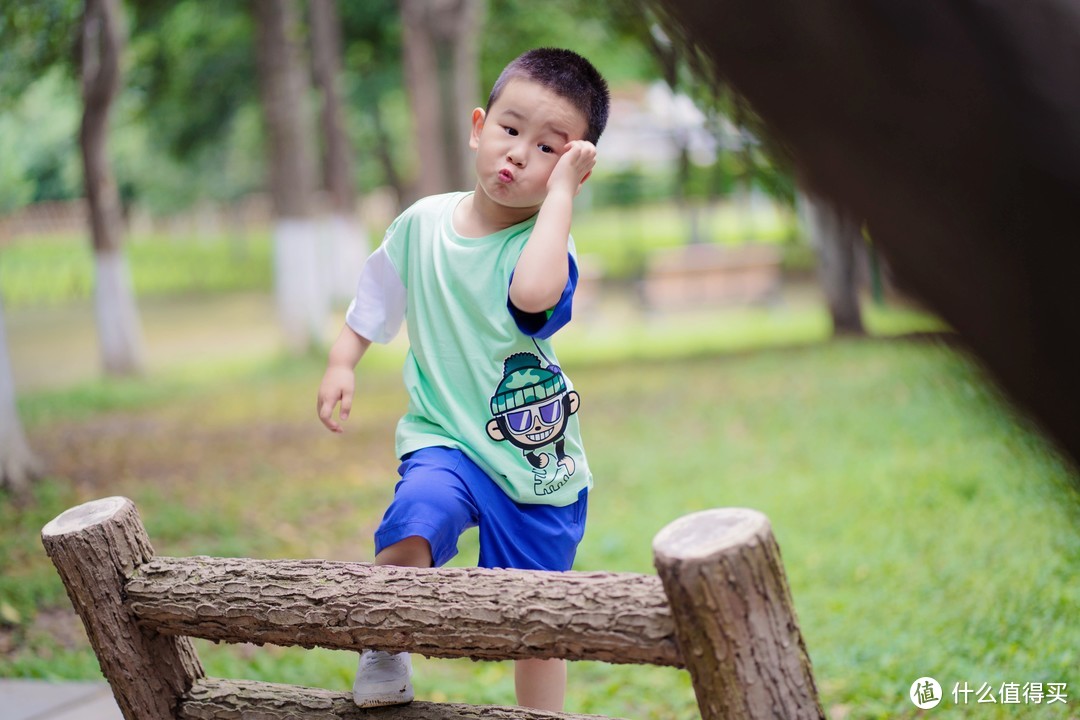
(301, 288)
(345, 243)
(117, 317)
(302, 293)
(18, 465)
(117, 314)
(346, 247)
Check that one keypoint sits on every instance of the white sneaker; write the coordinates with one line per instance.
(383, 679)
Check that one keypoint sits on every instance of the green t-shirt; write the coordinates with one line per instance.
(476, 380)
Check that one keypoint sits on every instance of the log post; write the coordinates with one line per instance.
(96, 547)
(734, 618)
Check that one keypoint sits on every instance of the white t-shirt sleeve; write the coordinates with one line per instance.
(378, 309)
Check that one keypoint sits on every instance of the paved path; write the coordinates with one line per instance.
(44, 700)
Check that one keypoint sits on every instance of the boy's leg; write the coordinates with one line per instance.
(530, 537)
(413, 551)
(384, 678)
(430, 510)
(432, 506)
(540, 684)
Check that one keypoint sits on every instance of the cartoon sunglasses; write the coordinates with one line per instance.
(549, 413)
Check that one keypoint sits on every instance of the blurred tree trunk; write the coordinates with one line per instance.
(283, 81)
(18, 465)
(667, 56)
(836, 237)
(386, 160)
(442, 78)
(345, 233)
(337, 165)
(117, 315)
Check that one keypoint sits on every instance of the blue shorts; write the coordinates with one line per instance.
(442, 493)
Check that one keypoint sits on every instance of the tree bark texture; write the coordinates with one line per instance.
(734, 617)
(283, 86)
(18, 464)
(448, 612)
(96, 547)
(837, 237)
(441, 75)
(213, 699)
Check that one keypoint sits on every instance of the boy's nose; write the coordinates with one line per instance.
(516, 156)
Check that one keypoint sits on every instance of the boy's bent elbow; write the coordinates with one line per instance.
(535, 299)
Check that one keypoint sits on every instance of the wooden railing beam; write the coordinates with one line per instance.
(448, 612)
(213, 699)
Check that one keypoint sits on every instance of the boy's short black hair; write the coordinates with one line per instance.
(568, 75)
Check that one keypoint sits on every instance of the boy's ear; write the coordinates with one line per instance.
(478, 117)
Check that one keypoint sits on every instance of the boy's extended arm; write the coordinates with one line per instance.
(542, 270)
(339, 380)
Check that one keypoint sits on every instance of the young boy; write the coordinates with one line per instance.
(485, 278)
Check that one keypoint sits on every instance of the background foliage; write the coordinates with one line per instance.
(187, 125)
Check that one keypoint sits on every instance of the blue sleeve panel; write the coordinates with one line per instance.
(545, 324)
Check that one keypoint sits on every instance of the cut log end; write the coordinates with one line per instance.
(81, 517)
(706, 533)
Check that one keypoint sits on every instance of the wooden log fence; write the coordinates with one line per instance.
(720, 607)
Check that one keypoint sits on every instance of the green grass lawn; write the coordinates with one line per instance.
(925, 529)
(619, 239)
(58, 269)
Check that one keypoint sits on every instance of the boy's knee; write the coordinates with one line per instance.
(413, 551)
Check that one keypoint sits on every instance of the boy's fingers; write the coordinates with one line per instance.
(346, 407)
(326, 414)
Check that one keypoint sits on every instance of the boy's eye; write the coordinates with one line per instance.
(546, 149)
(511, 131)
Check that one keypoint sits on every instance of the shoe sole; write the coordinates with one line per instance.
(401, 698)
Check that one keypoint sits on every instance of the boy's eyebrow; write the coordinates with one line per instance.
(520, 116)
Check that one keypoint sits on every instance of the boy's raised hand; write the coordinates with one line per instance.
(574, 167)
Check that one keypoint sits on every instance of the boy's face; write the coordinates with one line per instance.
(520, 140)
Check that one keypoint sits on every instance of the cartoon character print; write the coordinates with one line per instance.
(531, 408)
